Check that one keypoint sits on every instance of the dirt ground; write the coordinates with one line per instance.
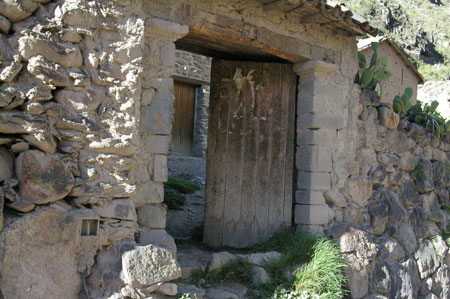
(186, 223)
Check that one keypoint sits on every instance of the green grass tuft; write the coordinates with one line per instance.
(324, 274)
(318, 262)
(236, 270)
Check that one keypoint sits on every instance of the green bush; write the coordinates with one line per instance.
(175, 188)
(173, 198)
(182, 185)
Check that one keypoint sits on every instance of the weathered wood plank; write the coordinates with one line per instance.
(216, 156)
(232, 214)
(277, 168)
(248, 208)
(289, 84)
(263, 159)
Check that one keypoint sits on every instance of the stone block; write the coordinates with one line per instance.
(317, 68)
(152, 216)
(311, 214)
(306, 197)
(313, 181)
(156, 117)
(160, 171)
(148, 193)
(157, 144)
(310, 229)
(167, 54)
(319, 121)
(158, 237)
(118, 208)
(165, 29)
(159, 83)
(314, 158)
(316, 137)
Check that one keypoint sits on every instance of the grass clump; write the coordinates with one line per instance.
(324, 274)
(175, 189)
(237, 270)
(316, 264)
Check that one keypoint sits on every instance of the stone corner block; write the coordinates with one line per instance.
(311, 229)
(311, 214)
(157, 144)
(160, 171)
(152, 216)
(165, 29)
(314, 158)
(319, 121)
(306, 197)
(313, 67)
(117, 208)
(313, 181)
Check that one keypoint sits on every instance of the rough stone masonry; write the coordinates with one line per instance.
(85, 116)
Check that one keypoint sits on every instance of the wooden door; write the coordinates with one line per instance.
(183, 123)
(250, 155)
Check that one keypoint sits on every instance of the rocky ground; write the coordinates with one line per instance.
(186, 223)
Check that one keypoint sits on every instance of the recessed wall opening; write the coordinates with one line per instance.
(89, 227)
(245, 169)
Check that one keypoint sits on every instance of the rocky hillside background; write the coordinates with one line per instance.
(420, 27)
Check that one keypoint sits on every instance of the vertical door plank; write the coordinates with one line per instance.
(216, 155)
(278, 146)
(289, 87)
(263, 157)
(248, 202)
(233, 197)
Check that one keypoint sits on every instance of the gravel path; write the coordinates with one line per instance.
(180, 223)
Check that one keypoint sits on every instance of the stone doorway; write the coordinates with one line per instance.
(282, 214)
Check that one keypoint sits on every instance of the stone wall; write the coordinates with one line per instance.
(85, 120)
(196, 69)
(385, 206)
(72, 87)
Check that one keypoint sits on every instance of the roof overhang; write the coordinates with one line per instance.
(328, 13)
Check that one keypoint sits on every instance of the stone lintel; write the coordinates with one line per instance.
(317, 68)
(165, 29)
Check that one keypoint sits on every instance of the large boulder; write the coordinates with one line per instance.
(6, 164)
(427, 259)
(146, 265)
(42, 252)
(48, 72)
(67, 56)
(43, 178)
(359, 190)
(423, 176)
(405, 280)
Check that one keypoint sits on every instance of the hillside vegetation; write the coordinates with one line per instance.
(420, 27)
